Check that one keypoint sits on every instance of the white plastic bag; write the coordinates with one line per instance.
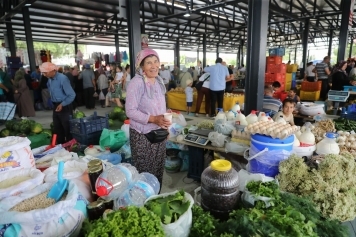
(224, 127)
(35, 180)
(75, 171)
(312, 109)
(63, 218)
(235, 147)
(15, 154)
(46, 161)
(217, 139)
(181, 227)
(174, 130)
(179, 119)
(245, 177)
(101, 96)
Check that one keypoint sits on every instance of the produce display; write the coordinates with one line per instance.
(273, 129)
(169, 208)
(346, 142)
(321, 127)
(117, 117)
(332, 186)
(181, 90)
(342, 124)
(206, 124)
(37, 202)
(22, 128)
(130, 222)
(229, 95)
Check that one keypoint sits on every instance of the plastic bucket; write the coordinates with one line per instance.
(261, 142)
(304, 151)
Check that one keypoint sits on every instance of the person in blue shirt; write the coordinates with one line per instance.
(36, 75)
(218, 77)
(62, 96)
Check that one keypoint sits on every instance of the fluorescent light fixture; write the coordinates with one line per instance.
(27, 4)
(93, 36)
(186, 14)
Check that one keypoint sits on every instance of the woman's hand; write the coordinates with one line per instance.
(161, 121)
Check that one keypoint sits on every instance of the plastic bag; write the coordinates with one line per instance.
(101, 96)
(245, 177)
(63, 218)
(40, 152)
(217, 139)
(174, 130)
(108, 99)
(75, 171)
(114, 139)
(184, 155)
(224, 127)
(181, 227)
(46, 161)
(15, 154)
(178, 118)
(265, 161)
(35, 180)
(235, 147)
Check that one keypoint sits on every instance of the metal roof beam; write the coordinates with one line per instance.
(16, 9)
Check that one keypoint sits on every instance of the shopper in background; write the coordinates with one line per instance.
(6, 81)
(292, 94)
(218, 76)
(189, 95)
(204, 92)
(60, 70)
(145, 106)
(165, 75)
(69, 75)
(62, 96)
(176, 74)
(350, 64)
(270, 104)
(116, 86)
(36, 75)
(309, 74)
(89, 86)
(102, 85)
(78, 87)
(352, 74)
(45, 93)
(22, 96)
(2, 90)
(340, 77)
(195, 76)
(184, 76)
(228, 85)
(322, 72)
(127, 77)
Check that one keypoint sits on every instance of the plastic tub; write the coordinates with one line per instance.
(303, 151)
(261, 142)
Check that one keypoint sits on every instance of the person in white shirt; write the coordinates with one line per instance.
(166, 75)
(242, 69)
(309, 74)
(189, 95)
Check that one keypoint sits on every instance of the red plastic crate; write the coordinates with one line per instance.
(272, 77)
(276, 68)
(274, 60)
(311, 86)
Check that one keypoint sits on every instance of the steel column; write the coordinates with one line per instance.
(330, 42)
(242, 52)
(238, 60)
(351, 44)
(10, 38)
(344, 29)
(295, 55)
(256, 54)
(198, 55)
(29, 40)
(177, 54)
(204, 50)
(134, 30)
(117, 47)
(305, 46)
(75, 52)
(217, 50)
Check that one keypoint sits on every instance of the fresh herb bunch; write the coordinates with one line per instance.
(169, 208)
(264, 189)
(129, 222)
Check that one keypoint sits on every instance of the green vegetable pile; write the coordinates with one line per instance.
(22, 128)
(169, 208)
(332, 187)
(267, 189)
(116, 118)
(207, 124)
(342, 124)
(129, 222)
(291, 216)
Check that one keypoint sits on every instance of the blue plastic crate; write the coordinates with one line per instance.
(351, 116)
(14, 65)
(276, 51)
(351, 108)
(349, 88)
(88, 125)
(13, 60)
(88, 139)
(294, 76)
(294, 84)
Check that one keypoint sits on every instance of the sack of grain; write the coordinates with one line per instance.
(47, 160)
(75, 171)
(63, 218)
(15, 154)
(19, 181)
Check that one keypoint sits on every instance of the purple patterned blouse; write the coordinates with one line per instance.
(139, 106)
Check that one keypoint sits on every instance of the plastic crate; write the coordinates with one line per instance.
(15, 65)
(89, 124)
(349, 88)
(276, 68)
(276, 51)
(272, 77)
(294, 76)
(88, 139)
(288, 86)
(292, 68)
(309, 95)
(196, 162)
(10, 60)
(311, 86)
(288, 77)
(274, 60)
(350, 116)
(294, 84)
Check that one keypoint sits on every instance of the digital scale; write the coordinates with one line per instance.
(337, 97)
(199, 136)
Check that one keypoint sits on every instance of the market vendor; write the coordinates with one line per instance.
(145, 106)
(287, 111)
(62, 96)
(340, 77)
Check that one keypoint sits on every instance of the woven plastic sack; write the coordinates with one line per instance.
(114, 139)
(181, 227)
(63, 218)
(15, 154)
(36, 179)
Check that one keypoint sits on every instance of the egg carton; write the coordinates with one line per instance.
(273, 129)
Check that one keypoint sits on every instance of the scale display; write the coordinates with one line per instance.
(196, 139)
(338, 96)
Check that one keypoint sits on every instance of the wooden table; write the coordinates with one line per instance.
(196, 157)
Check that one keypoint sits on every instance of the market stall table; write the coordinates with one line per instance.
(178, 101)
(196, 157)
